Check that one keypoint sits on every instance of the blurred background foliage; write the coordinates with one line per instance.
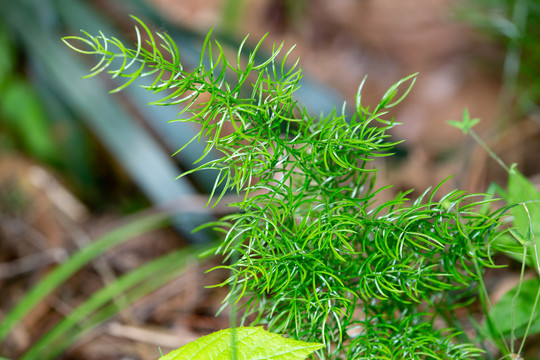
(48, 113)
(110, 153)
(515, 26)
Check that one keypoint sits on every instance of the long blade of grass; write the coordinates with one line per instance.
(139, 154)
(78, 15)
(101, 306)
(48, 284)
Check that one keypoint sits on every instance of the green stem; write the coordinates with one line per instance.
(536, 300)
(484, 301)
(233, 310)
(494, 156)
(514, 300)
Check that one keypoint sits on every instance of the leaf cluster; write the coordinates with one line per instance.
(310, 250)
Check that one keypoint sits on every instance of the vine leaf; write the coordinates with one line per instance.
(252, 343)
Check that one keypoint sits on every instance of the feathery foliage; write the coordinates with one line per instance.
(310, 250)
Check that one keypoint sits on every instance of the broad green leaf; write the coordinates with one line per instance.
(506, 318)
(24, 115)
(526, 216)
(253, 343)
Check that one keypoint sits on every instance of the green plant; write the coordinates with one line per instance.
(311, 252)
(514, 24)
(516, 314)
(21, 113)
(250, 343)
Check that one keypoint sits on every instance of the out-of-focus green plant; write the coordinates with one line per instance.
(310, 250)
(517, 313)
(515, 24)
(21, 114)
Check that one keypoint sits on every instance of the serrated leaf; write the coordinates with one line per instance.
(252, 343)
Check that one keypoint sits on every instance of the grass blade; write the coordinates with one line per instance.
(100, 306)
(48, 284)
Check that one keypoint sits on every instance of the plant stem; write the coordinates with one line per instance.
(494, 156)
